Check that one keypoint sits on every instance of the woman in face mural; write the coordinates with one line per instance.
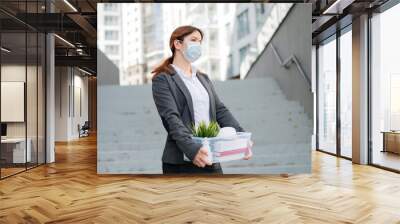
(184, 95)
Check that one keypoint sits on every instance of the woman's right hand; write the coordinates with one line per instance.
(201, 158)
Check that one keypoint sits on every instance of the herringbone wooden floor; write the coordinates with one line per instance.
(70, 191)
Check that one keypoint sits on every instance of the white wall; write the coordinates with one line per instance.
(69, 82)
(80, 83)
(14, 73)
(33, 126)
(17, 73)
(61, 97)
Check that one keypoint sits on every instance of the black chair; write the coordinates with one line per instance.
(84, 130)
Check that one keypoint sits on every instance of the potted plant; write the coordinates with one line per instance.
(224, 144)
(205, 131)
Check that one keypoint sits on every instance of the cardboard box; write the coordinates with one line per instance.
(222, 149)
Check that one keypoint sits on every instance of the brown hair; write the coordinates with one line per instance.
(178, 34)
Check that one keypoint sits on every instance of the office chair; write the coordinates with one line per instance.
(84, 130)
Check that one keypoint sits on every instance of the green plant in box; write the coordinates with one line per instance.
(203, 130)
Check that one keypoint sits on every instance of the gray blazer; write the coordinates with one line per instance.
(174, 104)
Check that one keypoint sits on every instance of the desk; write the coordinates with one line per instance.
(13, 150)
(391, 141)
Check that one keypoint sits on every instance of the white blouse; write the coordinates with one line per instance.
(200, 98)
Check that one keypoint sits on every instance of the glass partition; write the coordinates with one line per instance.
(385, 89)
(327, 95)
(22, 88)
(346, 93)
(13, 108)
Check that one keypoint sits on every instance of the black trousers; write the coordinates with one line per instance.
(190, 168)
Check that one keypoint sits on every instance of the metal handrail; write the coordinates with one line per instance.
(270, 26)
(264, 38)
(291, 59)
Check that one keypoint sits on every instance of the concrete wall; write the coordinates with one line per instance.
(107, 71)
(131, 137)
(292, 38)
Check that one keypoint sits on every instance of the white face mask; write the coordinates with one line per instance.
(192, 52)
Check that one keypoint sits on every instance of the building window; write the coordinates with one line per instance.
(112, 49)
(110, 7)
(346, 94)
(230, 65)
(243, 24)
(260, 14)
(214, 67)
(116, 62)
(228, 33)
(213, 38)
(111, 20)
(226, 8)
(147, 9)
(385, 88)
(111, 35)
(148, 28)
(243, 52)
(327, 95)
(212, 11)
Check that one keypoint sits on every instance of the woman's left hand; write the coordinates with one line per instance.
(249, 153)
